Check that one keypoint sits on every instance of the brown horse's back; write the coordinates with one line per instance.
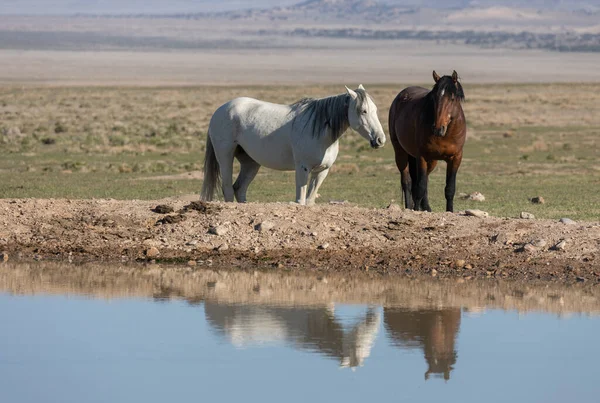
(403, 112)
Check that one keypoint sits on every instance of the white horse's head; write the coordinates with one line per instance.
(362, 116)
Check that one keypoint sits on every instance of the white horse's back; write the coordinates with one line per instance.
(261, 128)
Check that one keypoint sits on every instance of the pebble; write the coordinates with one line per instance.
(394, 206)
(527, 216)
(323, 246)
(468, 266)
(459, 264)
(264, 226)
(152, 252)
(561, 245)
(193, 242)
(433, 272)
(477, 213)
(476, 196)
(4, 256)
(222, 247)
(529, 248)
(191, 263)
(218, 230)
(538, 200)
(538, 243)
(567, 221)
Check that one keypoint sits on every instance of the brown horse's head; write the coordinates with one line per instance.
(446, 96)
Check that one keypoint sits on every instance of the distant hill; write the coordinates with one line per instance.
(57, 7)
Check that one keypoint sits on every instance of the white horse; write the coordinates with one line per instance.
(302, 137)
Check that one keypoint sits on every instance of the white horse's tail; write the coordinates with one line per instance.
(212, 173)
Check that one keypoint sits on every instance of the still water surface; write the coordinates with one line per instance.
(73, 348)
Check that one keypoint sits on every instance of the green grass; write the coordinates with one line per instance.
(115, 142)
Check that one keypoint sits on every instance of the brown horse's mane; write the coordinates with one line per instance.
(449, 87)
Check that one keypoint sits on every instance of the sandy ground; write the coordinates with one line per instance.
(309, 62)
(329, 238)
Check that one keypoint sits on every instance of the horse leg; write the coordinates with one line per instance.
(414, 180)
(421, 186)
(451, 169)
(248, 170)
(425, 202)
(402, 158)
(316, 180)
(302, 173)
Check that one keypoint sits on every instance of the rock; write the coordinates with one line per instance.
(529, 248)
(433, 272)
(538, 200)
(538, 243)
(218, 230)
(476, 213)
(222, 247)
(567, 221)
(193, 242)
(324, 246)
(3, 256)
(314, 233)
(508, 134)
(394, 206)
(152, 252)
(163, 209)
(476, 196)
(264, 226)
(561, 245)
(468, 266)
(527, 216)
(191, 263)
(580, 279)
(459, 264)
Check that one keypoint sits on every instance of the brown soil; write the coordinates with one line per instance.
(325, 238)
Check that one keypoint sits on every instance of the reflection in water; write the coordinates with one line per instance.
(313, 328)
(433, 330)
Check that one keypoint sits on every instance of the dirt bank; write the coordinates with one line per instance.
(287, 237)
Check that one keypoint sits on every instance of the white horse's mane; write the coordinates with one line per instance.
(329, 112)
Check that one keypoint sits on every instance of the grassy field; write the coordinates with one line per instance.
(147, 143)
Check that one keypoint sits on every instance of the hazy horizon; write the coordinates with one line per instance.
(68, 7)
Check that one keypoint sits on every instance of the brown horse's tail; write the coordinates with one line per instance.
(212, 173)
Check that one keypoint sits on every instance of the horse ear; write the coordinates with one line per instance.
(436, 77)
(360, 87)
(454, 76)
(351, 92)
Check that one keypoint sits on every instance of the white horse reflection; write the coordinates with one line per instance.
(316, 329)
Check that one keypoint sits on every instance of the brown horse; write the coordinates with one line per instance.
(427, 126)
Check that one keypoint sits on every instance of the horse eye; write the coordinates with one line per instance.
(364, 112)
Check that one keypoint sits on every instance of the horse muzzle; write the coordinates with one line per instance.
(377, 142)
(441, 131)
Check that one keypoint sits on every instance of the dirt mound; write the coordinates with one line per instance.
(336, 238)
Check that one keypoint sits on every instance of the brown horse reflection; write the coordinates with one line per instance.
(316, 329)
(433, 330)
